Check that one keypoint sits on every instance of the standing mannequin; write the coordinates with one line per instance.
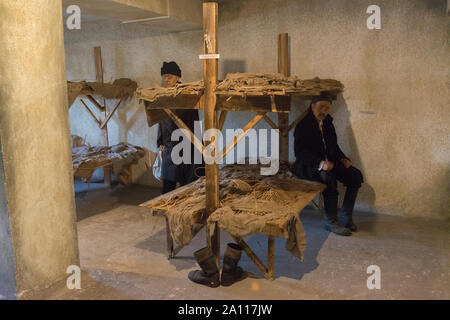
(170, 172)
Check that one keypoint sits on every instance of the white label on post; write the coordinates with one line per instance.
(209, 56)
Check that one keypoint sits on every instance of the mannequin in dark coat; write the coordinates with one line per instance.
(319, 158)
(170, 172)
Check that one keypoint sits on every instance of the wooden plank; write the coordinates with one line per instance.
(105, 122)
(181, 101)
(283, 119)
(210, 71)
(239, 137)
(254, 103)
(90, 112)
(192, 138)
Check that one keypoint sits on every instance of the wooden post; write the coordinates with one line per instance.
(104, 130)
(210, 68)
(283, 118)
(271, 256)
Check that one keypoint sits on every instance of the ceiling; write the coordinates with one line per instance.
(165, 15)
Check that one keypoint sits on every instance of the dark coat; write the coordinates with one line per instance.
(309, 148)
(183, 173)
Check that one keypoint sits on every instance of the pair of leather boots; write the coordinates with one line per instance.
(210, 276)
(332, 224)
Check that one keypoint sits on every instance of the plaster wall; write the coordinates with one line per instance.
(34, 130)
(392, 120)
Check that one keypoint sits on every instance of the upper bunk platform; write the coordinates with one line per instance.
(120, 89)
(238, 92)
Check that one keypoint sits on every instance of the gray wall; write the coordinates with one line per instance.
(392, 119)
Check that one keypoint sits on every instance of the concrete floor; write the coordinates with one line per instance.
(123, 256)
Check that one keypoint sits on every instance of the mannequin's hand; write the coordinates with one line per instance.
(328, 166)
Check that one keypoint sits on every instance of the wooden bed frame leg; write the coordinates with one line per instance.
(258, 263)
(271, 256)
(170, 253)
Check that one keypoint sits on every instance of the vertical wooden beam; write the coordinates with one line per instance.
(169, 240)
(283, 118)
(210, 68)
(103, 130)
(271, 257)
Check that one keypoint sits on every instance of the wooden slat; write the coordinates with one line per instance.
(90, 112)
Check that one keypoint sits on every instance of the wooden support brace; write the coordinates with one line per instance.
(296, 121)
(95, 103)
(270, 122)
(90, 112)
(258, 263)
(239, 137)
(105, 122)
(192, 138)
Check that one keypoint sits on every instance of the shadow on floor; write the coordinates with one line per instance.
(96, 198)
(286, 265)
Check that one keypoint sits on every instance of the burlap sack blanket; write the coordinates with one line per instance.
(86, 160)
(249, 203)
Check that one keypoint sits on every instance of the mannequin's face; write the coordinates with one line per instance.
(321, 109)
(169, 80)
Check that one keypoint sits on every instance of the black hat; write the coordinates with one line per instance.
(322, 97)
(171, 68)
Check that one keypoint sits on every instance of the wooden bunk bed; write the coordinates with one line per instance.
(87, 159)
(205, 202)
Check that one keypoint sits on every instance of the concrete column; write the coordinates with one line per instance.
(37, 213)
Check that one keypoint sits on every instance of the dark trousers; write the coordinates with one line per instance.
(186, 173)
(351, 178)
(168, 186)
